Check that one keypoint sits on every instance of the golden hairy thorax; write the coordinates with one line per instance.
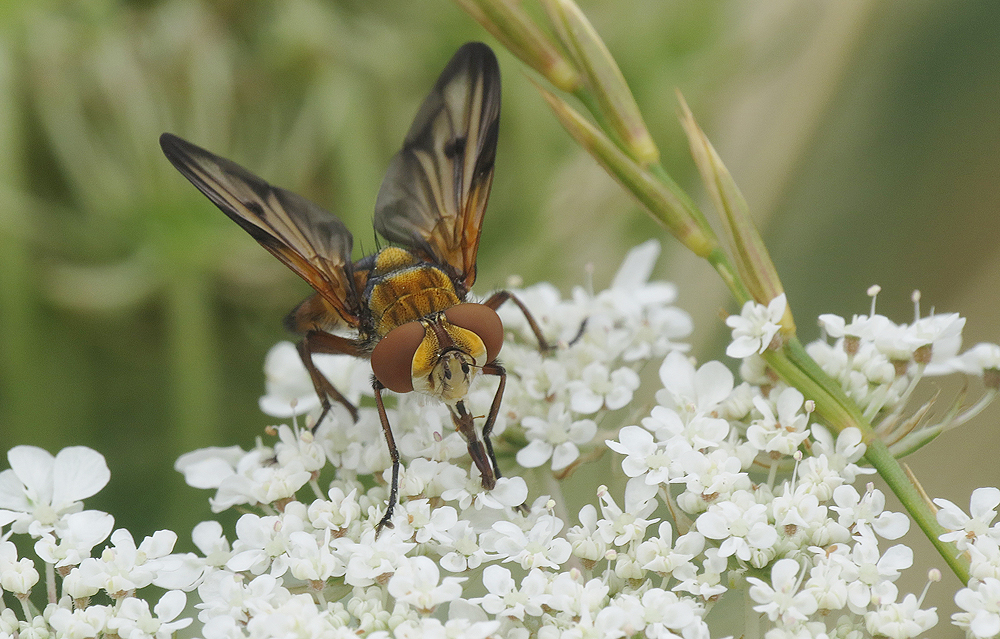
(404, 289)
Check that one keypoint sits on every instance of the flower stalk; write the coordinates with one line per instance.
(603, 79)
(669, 206)
(514, 28)
(746, 247)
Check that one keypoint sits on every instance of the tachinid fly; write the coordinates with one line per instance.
(407, 302)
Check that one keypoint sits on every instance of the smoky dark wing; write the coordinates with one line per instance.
(433, 196)
(309, 240)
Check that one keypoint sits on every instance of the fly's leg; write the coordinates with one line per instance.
(320, 342)
(386, 521)
(494, 301)
(494, 368)
(497, 299)
(482, 455)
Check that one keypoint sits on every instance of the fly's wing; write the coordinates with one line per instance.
(309, 240)
(433, 196)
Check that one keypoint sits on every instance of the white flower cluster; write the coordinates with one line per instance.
(977, 536)
(879, 364)
(730, 486)
(40, 496)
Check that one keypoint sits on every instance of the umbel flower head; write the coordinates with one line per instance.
(731, 484)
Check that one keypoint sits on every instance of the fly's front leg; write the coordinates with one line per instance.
(481, 451)
(386, 521)
(327, 343)
(482, 456)
(494, 368)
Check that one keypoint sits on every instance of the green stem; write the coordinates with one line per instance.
(890, 470)
(720, 262)
(669, 204)
(797, 369)
(795, 365)
(657, 171)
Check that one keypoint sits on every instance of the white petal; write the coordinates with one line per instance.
(497, 579)
(285, 408)
(585, 401)
(158, 544)
(713, 383)
(536, 453)
(897, 558)
(677, 375)
(743, 347)
(637, 266)
(784, 573)
(636, 440)
(564, 455)
(170, 605)
(985, 624)
(79, 472)
(511, 491)
(12, 494)
(33, 466)
(582, 431)
(950, 515)
(789, 402)
(634, 467)
(712, 525)
(776, 308)
(90, 527)
(638, 494)
(618, 397)
(762, 536)
(891, 525)
(244, 560)
(984, 500)
(833, 325)
(207, 473)
(454, 562)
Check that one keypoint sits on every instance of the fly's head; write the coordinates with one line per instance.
(439, 355)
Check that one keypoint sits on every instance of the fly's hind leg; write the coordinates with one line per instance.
(327, 343)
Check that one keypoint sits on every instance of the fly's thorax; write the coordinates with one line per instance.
(392, 259)
(402, 288)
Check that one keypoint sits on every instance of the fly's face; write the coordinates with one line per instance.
(451, 376)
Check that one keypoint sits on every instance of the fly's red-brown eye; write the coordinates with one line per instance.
(481, 320)
(392, 357)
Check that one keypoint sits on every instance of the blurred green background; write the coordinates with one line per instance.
(134, 317)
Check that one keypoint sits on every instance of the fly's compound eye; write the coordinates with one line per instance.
(392, 357)
(481, 320)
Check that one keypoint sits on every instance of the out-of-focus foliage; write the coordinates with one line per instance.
(134, 316)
